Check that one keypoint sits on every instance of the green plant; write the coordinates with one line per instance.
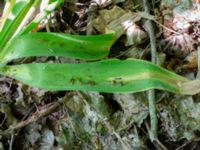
(112, 75)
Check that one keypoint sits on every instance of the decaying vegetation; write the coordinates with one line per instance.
(165, 32)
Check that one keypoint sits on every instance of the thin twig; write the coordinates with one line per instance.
(11, 142)
(36, 116)
(156, 141)
(187, 143)
(166, 28)
(151, 93)
(45, 111)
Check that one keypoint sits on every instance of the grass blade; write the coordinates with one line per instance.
(44, 13)
(14, 18)
(30, 13)
(54, 44)
(7, 8)
(109, 76)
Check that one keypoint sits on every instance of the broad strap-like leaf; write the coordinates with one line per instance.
(54, 44)
(111, 76)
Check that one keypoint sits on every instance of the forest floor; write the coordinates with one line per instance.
(32, 118)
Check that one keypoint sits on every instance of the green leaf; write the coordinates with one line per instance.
(111, 76)
(20, 11)
(44, 13)
(27, 17)
(7, 8)
(54, 44)
(14, 18)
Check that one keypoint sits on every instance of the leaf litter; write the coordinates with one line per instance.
(91, 120)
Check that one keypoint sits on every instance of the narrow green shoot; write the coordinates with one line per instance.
(44, 13)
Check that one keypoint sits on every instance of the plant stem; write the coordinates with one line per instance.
(92, 10)
(151, 93)
(153, 117)
(198, 63)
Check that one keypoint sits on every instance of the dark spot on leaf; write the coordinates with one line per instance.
(79, 80)
(59, 76)
(75, 80)
(72, 81)
(62, 44)
(81, 47)
(53, 43)
(43, 40)
(89, 76)
(91, 82)
(118, 81)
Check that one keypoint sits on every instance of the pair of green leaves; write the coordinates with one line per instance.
(110, 75)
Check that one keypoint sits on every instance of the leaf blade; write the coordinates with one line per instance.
(110, 76)
(44, 13)
(14, 18)
(54, 44)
